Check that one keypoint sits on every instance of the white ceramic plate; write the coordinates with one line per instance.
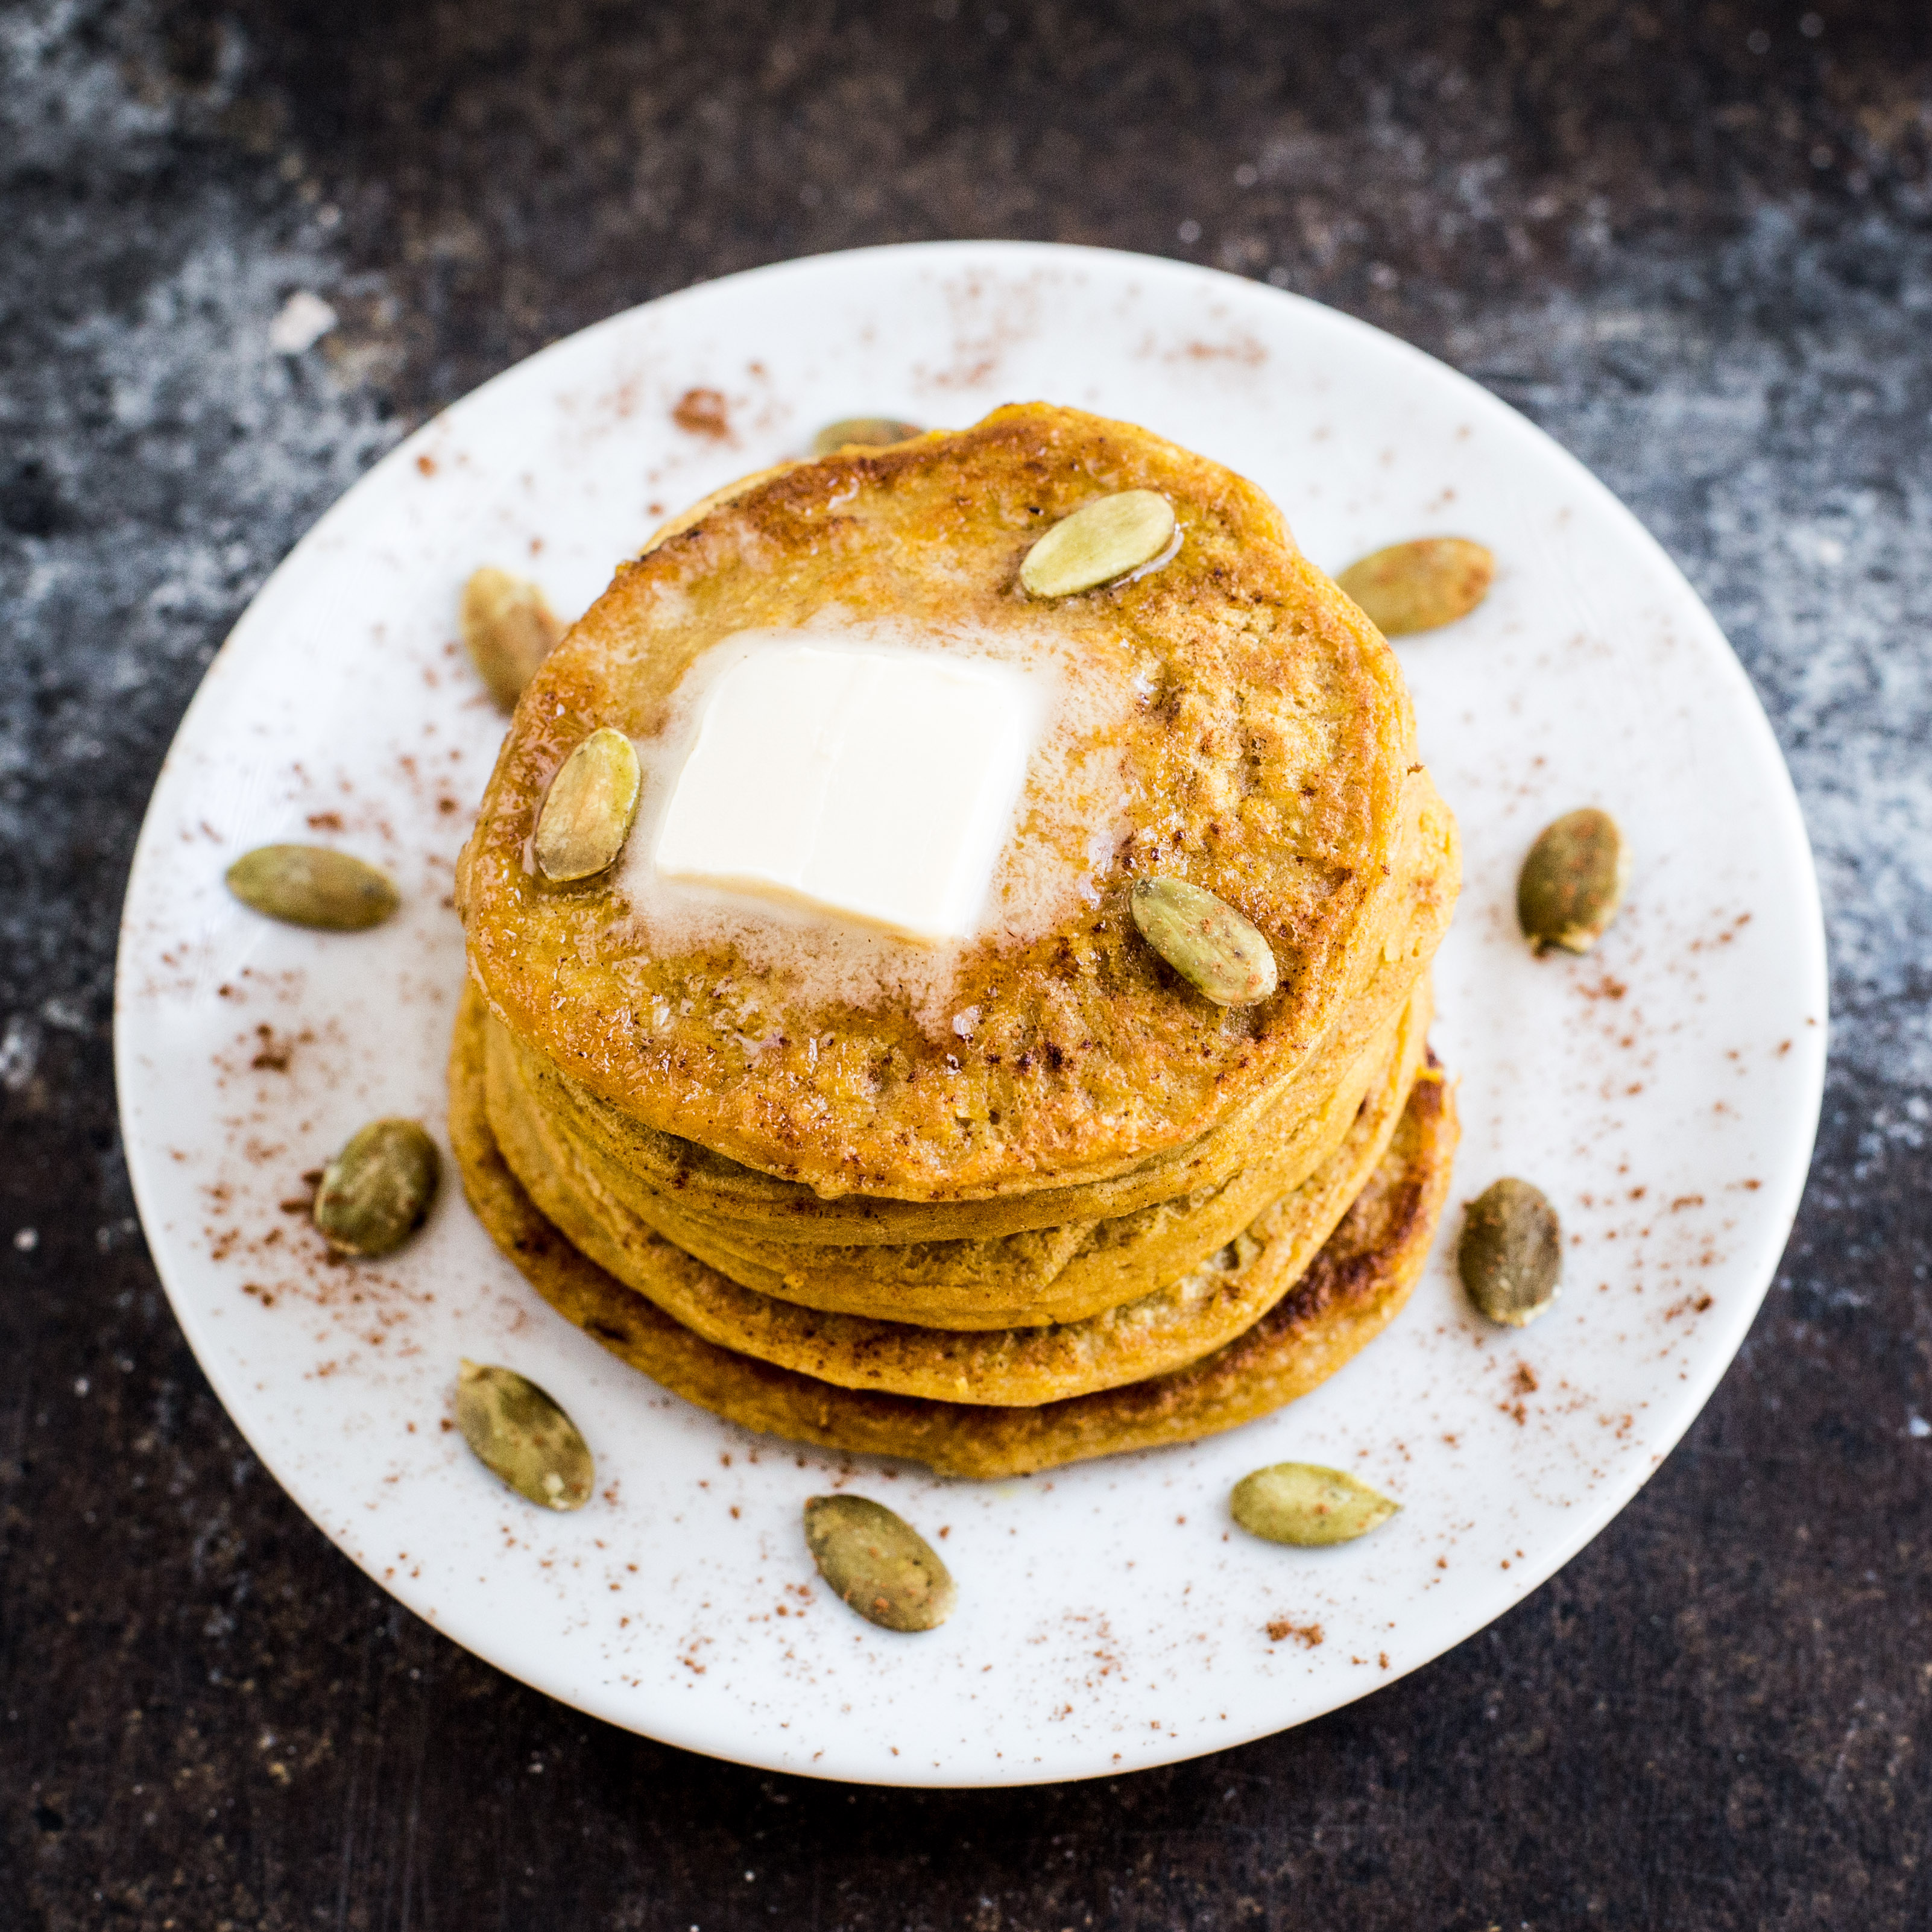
(1664, 1091)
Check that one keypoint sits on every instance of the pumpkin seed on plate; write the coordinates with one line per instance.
(376, 1192)
(1305, 1503)
(587, 812)
(521, 1435)
(1420, 585)
(1205, 940)
(1510, 1257)
(313, 885)
(509, 629)
(1100, 541)
(1573, 881)
(878, 1564)
(870, 432)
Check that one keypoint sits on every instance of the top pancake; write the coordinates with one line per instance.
(1262, 738)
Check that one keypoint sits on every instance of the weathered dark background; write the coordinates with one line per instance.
(1695, 241)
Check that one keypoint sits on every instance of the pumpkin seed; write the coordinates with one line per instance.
(1573, 881)
(586, 816)
(1511, 1254)
(1302, 1503)
(375, 1193)
(311, 885)
(509, 629)
(520, 1435)
(1420, 585)
(1205, 940)
(871, 432)
(1098, 543)
(877, 1563)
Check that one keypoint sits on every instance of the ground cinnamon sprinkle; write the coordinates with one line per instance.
(1281, 1630)
(702, 412)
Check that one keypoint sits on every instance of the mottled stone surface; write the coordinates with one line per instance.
(1694, 241)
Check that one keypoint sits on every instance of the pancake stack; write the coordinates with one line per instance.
(1030, 1197)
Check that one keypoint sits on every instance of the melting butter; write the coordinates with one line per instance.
(878, 786)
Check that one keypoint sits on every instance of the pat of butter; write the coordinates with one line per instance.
(880, 785)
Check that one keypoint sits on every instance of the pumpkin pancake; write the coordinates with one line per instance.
(1187, 1317)
(712, 1204)
(1353, 1288)
(1236, 722)
(1028, 1279)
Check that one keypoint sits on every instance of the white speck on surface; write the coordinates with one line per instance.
(302, 321)
(19, 1052)
(27, 1239)
(1917, 1428)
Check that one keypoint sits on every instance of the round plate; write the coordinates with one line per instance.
(1664, 1091)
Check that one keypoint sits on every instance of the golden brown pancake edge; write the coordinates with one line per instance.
(1353, 1289)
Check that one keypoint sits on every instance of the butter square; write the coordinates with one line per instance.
(877, 785)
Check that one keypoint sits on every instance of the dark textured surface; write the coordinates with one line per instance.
(1694, 241)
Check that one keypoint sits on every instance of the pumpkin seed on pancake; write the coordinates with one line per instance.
(1186, 1317)
(1100, 541)
(1273, 743)
(588, 809)
(1205, 940)
(1352, 1289)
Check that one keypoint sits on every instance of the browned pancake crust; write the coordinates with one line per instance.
(739, 1208)
(1351, 1291)
(1044, 1275)
(1205, 1301)
(1266, 763)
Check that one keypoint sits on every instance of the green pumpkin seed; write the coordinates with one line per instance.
(1205, 940)
(311, 885)
(521, 1435)
(1510, 1257)
(877, 1563)
(870, 432)
(509, 629)
(1420, 585)
(1304, 1504)
(1573, 881)
(586, 815)
(1103, 541)
(375, 1193)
